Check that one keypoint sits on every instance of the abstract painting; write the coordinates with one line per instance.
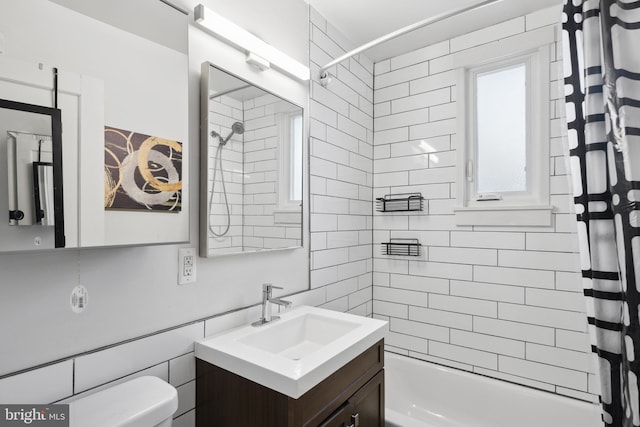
(141, 172)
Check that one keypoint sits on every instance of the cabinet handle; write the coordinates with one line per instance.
(355, 420)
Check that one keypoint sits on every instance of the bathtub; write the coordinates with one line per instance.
(423, 394)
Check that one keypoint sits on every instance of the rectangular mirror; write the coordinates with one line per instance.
(95, 93)
(251, 168)
(31, 139)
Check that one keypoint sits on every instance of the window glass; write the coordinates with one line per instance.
(295, 187)
(501, 130)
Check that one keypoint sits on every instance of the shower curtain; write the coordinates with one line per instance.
(602, 88)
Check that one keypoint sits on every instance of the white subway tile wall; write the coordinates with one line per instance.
(266, 224)
(186, 398)
(45, 384)
(160, 370)
(94, 369)
(167, 355)
(182, 369)
(341, 173)
(500, 301)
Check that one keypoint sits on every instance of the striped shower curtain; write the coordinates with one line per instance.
(602, 87)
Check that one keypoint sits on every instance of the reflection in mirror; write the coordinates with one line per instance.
(30, 179)
(252, 167)
(43, 193)
(30, 137)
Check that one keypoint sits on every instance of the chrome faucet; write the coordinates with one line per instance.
(267, 300)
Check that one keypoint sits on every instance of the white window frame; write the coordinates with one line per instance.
(286, 123)
(530, 208)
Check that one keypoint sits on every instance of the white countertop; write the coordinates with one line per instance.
(295, 353)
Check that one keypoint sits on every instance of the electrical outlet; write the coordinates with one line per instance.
(186, 266)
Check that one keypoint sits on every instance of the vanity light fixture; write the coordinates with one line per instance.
(259, 53)
(257, 61)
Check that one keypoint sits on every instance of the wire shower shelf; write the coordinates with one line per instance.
(401, 202)
(401, 247)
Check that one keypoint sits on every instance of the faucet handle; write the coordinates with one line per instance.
(268, 286)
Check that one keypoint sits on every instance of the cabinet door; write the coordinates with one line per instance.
(339, 418)
(368, 404)
(364, 409)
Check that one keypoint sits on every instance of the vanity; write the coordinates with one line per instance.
(313, 367)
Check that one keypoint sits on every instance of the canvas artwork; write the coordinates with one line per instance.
(141, 172)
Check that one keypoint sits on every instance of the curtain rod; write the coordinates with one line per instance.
(402, 31)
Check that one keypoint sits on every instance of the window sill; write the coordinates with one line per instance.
(504, 215)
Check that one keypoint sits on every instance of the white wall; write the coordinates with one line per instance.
(341, 172)
(499, 301)
(278, 22)
(134, 292)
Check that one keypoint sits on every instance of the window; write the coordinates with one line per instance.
(290, 183)
(503, 140)
(501, 130)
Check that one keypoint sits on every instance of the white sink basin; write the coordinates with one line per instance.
(293, 354)
(296, 339)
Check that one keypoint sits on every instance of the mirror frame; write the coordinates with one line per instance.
(56, 137)
(204, 163)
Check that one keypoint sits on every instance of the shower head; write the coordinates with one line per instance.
(237, 127)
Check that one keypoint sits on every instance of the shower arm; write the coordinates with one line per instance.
(324, 76)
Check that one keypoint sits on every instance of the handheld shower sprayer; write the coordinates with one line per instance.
(237, 127)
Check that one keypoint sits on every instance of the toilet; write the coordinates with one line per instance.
(141, 402)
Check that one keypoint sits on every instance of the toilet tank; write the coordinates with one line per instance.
(141, 402)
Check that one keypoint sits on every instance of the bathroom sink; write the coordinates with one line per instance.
(300, 336)
(293, 354)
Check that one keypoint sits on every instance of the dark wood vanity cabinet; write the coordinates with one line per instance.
(351, 396)
(365, 408)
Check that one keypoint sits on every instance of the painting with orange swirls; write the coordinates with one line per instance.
(141, 172)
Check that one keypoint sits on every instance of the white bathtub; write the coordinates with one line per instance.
(422, 394)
